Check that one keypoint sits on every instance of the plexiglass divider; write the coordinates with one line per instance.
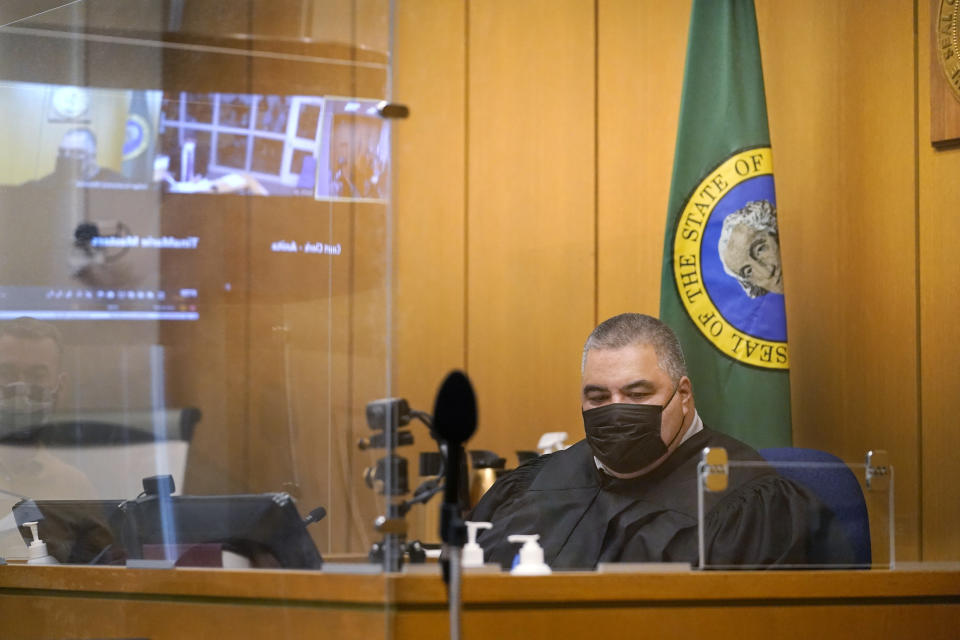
(797, 509)
(195, 307)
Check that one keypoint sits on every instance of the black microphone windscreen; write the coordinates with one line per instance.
(455, 409)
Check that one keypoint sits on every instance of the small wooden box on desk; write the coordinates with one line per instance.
(921, 601)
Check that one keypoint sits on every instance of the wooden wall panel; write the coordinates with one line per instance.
(530, 211)
(843, 152)
(530, 188)
(803, 110)
(162, 620)
(641, 51)
(206, 365)
(939, 172)
(429, 205)
(848, 226)
(429, 242)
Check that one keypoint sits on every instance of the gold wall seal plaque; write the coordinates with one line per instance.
(948, 43)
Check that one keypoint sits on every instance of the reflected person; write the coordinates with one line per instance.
(749, 249)
(627, 493)
(31, 377)
(76, 163)
(30, 374)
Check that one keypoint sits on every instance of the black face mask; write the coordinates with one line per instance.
(626, 437)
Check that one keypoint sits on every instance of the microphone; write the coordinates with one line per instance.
(455, 409)
(454, 421)
(315, 516)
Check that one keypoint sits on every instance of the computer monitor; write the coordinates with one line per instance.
(266, 528)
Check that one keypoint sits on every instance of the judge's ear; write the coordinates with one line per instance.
(685, 391)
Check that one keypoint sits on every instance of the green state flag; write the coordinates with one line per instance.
(139, 140)
(722, 283)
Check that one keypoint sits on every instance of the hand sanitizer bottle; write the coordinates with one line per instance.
(531, 556)
(473, 552)
(37, 551)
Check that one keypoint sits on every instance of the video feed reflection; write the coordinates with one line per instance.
(194, 142)
(358, 154)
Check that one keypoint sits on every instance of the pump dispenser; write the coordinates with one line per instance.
(37, 551)
(472, 552)
(531, 556)
(552, 441)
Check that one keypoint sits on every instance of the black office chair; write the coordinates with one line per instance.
(115, 449)
(107, 428)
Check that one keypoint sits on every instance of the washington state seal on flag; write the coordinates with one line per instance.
(726, 261)
(722, 282)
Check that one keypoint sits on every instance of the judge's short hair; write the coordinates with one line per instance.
(28, 328)
(636, 328)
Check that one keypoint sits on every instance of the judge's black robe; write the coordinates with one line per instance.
(584, 516)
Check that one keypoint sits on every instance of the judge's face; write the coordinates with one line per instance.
(632, 374)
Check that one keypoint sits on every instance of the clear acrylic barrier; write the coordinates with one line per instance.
(194, 281)
(799, 509)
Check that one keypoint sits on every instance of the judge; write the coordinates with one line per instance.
(628, 491)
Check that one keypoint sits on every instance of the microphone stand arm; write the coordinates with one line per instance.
(453, 531)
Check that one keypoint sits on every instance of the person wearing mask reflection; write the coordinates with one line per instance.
(76, 164)
(627, 493)
(31, 378)
(30, 373)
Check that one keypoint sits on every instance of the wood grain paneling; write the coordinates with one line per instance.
(944, 103)
(530, 210)
(641, 50)
(530, 192)
(429, 205)
(206, 364)
(90, 618)
(843, 151)
(429, 213)
(939, 172)
(112, 602)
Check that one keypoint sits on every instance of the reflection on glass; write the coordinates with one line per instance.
(267, 156)
(272, 113)
(837, 521)
(297, 163)
(31, 379)
(308, 120)
(354, 151)
(199, 107)
(170, 105)
(232, 151)
(234, 110)
(206, 335)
